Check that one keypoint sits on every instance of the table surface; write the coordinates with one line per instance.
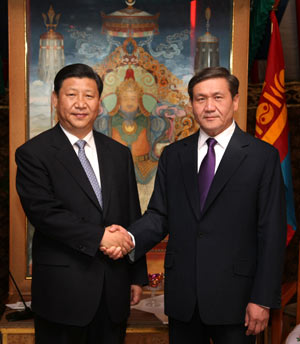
(137, 320)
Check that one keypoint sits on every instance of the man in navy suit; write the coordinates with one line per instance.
(73, 183)
(226, 226)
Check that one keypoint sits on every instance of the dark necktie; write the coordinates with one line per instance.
(207, 171)
(89, 170)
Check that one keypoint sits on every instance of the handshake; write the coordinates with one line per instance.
(116, 242)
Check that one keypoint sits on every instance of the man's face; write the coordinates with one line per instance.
(213, 106)
(77, 105)
(129, 101)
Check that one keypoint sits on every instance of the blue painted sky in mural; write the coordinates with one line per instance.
(81, 22)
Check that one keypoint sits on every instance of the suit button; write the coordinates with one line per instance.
(81, 248)
(200, 234)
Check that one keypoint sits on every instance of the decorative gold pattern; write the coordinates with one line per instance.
(271, 109)
(50, 25)
(167, 88)
(185, 126)
(129, 127)
(130, 22)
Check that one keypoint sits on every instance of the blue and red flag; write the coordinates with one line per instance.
(271, 118)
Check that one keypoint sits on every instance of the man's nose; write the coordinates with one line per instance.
(210, 104)
(80, 102)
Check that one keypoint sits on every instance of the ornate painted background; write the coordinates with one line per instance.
(144, 50)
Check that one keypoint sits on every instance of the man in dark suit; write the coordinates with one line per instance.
(226, 223)
(73, 183)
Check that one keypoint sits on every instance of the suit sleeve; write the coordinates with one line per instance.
(138, 270)
(152, 227)
(271, 235)
(47, 213)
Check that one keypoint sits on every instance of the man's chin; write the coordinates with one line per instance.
(211, 130)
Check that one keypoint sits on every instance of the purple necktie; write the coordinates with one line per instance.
(207, 171)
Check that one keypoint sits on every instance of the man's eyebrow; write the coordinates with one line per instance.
(76, 89)
(206, 95)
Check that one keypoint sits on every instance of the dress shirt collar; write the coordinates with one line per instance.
(222, 139)
(89, 138)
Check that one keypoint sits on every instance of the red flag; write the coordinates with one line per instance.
(271, 117)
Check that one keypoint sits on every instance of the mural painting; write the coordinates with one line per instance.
(145, 52)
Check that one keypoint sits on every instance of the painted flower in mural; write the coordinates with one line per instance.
(170, 112)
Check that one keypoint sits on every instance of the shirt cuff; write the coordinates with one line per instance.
(132, 252)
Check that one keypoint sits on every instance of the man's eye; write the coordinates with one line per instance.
(89, 96)
(70, 94)
(218, 97)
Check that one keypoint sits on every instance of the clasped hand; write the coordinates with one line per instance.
(116, 242)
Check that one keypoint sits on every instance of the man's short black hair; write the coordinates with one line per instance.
(213, 73)
(77, 70)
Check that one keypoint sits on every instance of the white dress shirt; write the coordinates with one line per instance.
(222, 142)
(89, 148)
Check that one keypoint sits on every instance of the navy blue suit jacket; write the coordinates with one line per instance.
(232, 252)
(69, 272)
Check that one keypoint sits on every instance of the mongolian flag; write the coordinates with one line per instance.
(271, 118)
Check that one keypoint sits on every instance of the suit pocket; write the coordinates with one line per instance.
(244, 268)
(169, 260)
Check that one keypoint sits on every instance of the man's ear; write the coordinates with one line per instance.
(100, 107)
(54, 99)
(236, 100)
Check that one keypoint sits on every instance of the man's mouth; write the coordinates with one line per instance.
(80, 115)
(210, 118)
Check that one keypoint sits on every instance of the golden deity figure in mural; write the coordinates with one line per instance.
(130, 125)
(145, 107)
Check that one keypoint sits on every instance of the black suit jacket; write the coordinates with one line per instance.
(69, 272)
(232, 252)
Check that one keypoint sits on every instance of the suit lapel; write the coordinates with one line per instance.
(188, 158)
(232, 158)
(68, 158)
(106, 165)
